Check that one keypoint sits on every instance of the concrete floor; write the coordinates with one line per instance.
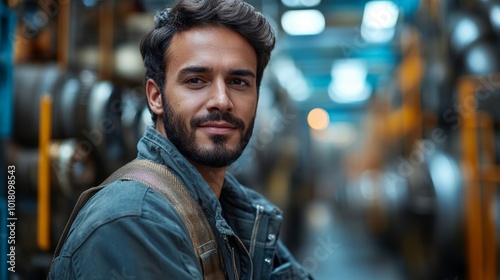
(334, 251)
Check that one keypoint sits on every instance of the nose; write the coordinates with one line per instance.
(219, 97)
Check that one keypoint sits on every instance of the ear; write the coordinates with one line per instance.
(153, 94)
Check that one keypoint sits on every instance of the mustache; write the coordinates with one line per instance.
(218, 116)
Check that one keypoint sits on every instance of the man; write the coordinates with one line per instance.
(204, 63)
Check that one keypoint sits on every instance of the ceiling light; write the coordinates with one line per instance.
(300, 3)
(310, 3)
(379, 21)
(303, 22)
(349, 82)
(318, 119)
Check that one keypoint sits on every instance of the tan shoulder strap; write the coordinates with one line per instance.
(160, 179)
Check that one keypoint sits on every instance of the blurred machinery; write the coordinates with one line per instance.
(95, 127)
(430, 193)
(83, 108)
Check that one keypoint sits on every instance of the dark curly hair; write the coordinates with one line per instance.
(236, 15)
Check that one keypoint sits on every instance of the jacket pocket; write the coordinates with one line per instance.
(210, 260)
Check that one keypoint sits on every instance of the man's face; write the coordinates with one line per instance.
(210, 94)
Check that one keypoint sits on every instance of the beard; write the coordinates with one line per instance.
(183, 136)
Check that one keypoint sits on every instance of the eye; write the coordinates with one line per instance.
(195, 83)
(239, 82)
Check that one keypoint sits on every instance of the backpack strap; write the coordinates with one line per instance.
(160, 179)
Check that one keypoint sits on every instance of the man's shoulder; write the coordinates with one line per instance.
(120, 199)
(121, 224)
(117, 201)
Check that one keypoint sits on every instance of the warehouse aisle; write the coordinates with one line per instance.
(334, 250)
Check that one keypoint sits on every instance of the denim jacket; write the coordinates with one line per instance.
(129, 231)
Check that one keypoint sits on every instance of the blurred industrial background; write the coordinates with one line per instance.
(377, 132)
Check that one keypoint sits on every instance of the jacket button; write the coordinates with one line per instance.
(271, 237)
(268, 261)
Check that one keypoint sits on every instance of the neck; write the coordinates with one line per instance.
(213, 176)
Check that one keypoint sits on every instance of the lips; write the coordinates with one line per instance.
(217, 123)
(218, 127)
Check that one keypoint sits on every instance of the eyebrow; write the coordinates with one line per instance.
(242, 72)
(193, 69)
(199, 69)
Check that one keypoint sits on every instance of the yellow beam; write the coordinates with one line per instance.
(472, 192)
(43, 214)
(487, 127)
